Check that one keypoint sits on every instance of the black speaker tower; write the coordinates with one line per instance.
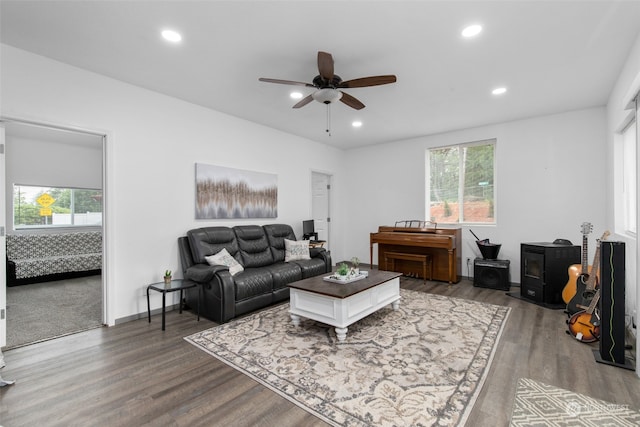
(612, 306)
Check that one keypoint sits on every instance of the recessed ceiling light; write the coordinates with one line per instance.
(172, 36)
(356, 124)
(295, 95)
(471, 31)
(499, 90)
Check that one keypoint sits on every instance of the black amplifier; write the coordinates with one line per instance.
(492, 273)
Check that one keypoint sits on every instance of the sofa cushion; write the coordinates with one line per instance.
(276, 233)
(223, 258)
(311, 267)
(252, 282)
(253, 245)
(208, 241)
(283, 274)
(296, 250)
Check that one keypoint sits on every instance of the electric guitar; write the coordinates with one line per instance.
(587, 283)
(585, 324)
(575, 270)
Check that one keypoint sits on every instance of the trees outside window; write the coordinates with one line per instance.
(461, 183)
(38, 207)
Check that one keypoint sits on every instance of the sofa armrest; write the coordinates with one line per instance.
(11, 272)
(323, 254)
(218, 288)
(203, 273)
(314, 252)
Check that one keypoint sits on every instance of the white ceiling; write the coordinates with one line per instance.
(553, 56)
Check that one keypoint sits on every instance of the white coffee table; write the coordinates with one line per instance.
(340, 305)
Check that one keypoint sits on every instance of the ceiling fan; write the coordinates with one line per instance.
(328, 84)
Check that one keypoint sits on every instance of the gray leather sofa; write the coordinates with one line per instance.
(261, 251)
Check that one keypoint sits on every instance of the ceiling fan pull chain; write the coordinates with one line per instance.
(328, 119)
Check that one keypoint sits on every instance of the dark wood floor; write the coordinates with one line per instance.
(134, 374)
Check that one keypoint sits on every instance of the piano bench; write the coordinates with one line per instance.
(423, 258)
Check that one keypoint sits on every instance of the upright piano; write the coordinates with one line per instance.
(443, 244)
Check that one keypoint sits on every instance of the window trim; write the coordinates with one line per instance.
(486, 141)
(42, 227)
(626, 220)
(621, 222)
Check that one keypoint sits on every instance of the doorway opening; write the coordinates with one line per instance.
(320, 205)
(53, 189)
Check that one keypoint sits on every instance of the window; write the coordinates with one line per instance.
(461, 183)
(45, 207)
(629, 172)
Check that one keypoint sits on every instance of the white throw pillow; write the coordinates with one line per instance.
(224, 258)
(296, 250)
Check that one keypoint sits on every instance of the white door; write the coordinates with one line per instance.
(3, 249)
(320, 190)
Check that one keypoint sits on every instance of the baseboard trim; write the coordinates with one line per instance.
(143, 315)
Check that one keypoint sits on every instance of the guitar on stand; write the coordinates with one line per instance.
(576, 270)
(585, 324)
(586, 284)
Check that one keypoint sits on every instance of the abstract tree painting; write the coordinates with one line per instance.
(235, 193)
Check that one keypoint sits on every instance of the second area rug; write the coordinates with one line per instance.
(539, 404)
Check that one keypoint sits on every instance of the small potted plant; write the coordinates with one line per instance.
(167, 277)
(343, 270)
(355, 262)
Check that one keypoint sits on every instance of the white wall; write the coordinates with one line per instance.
(153, 143)
(551, 177)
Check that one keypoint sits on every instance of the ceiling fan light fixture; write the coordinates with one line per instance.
(327, 96)
(328, 86)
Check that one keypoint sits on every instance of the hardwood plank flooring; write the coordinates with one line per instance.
(134, 374)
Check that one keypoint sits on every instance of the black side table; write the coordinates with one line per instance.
(174, 285)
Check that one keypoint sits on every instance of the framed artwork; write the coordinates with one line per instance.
(235, 193)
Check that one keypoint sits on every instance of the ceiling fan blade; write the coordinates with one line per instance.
(285, 82)
(304, 101)
(351, 101)
(368, 81)
(325, 65)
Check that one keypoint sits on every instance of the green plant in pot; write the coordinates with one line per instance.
(167, 276)
(343, 269)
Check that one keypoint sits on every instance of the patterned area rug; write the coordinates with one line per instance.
(538, 404)
(423, 364)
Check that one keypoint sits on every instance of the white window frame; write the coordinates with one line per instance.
(72, 225)
(625, 163)
(461, 219)
(629, 178)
